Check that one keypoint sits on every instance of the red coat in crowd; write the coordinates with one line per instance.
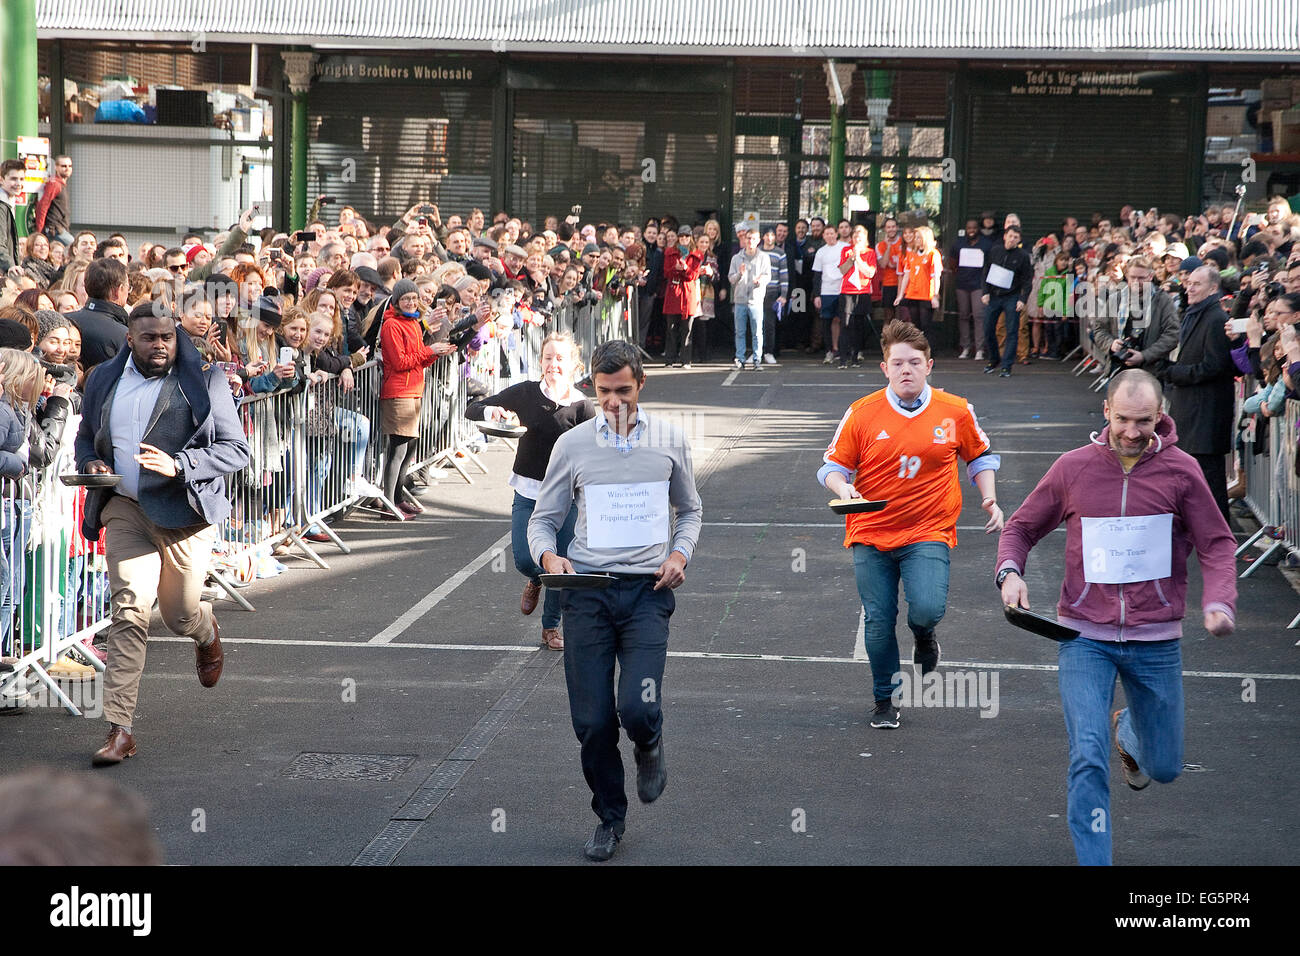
(681, 285)
(405, 356)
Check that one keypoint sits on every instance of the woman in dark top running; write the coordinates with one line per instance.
(548, 409)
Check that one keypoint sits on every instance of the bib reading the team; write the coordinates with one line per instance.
(619, 516)
(1127, 550)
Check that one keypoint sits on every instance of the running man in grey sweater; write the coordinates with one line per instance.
(639, 518)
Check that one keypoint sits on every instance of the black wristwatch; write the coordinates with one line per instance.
(1002, 576)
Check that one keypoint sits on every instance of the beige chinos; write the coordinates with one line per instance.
(146, 562)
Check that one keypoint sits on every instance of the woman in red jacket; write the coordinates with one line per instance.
(681, 298)
(405, 357)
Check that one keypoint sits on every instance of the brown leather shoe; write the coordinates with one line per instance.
(552, 638)
(117, 748)
(532, 591)
(210, 659)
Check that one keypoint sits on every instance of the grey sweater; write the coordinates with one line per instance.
(625, 525)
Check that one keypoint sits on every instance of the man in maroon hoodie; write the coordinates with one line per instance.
(1134, 506)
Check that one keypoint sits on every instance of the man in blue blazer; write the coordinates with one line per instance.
(164, 420)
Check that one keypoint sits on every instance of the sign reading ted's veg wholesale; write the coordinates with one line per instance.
(1081, 83)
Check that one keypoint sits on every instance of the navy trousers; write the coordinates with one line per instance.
(625, 623)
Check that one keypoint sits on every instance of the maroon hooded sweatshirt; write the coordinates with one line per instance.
(1090, 482)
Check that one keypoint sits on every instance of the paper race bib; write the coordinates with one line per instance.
(971, 257)
(1126, 550)
(623, 516)
(1000, 277)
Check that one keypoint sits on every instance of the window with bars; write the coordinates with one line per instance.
(921, 189)
(761, 182)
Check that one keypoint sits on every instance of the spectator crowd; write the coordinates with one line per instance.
(1198, 300)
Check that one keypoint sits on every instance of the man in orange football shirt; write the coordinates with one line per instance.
(901, 444)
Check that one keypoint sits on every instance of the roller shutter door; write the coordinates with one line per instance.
(622, 155)
(382, 149)
(1049, 157)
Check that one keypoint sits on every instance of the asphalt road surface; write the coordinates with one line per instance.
(448, 728)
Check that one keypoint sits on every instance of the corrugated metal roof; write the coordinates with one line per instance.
(1209, 29)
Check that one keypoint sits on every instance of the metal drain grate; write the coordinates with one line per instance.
(313, 766)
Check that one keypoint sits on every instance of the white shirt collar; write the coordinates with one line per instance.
(574, 396)
(602, 423)
(132, 369)
(923, 398)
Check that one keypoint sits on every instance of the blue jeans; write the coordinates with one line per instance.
(923, 569)
(746, 319)
(346, 420)
(520, 512)
(15, 530)
(1150, 728)
(322, 460)
(998, 304)
(626, 623)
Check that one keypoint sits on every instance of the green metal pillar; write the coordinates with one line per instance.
(878, 87)
(299, 67)
(298, 177)
(18, 90)
(835, 186)
(839, 79)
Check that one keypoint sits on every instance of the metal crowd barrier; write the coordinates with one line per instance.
(54, 592)
(1272, 488)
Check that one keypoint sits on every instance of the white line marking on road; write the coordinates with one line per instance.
(169, 639)
(860, 640)
(730, 378)
(698, 655)
(740, 524)
(432, 599)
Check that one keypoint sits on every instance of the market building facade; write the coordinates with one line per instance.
(783, 110)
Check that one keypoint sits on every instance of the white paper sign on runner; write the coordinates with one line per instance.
(624, 516)
(971, 258)
(1000, 277)
(1126, 550)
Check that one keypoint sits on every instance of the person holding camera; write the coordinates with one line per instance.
(1143, 329)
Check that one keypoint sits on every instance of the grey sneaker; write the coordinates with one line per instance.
(885, 716)
(1133, 774)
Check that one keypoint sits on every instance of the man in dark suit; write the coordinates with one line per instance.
(103, 320)
(1200, 396)
(164, 420)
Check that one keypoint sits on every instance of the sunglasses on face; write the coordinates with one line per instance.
(176, 268)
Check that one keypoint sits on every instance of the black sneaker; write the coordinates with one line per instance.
(1005, 373)
(990, 369)
(926, 653)
(651, 772)
(603, 842)
(885, 716)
